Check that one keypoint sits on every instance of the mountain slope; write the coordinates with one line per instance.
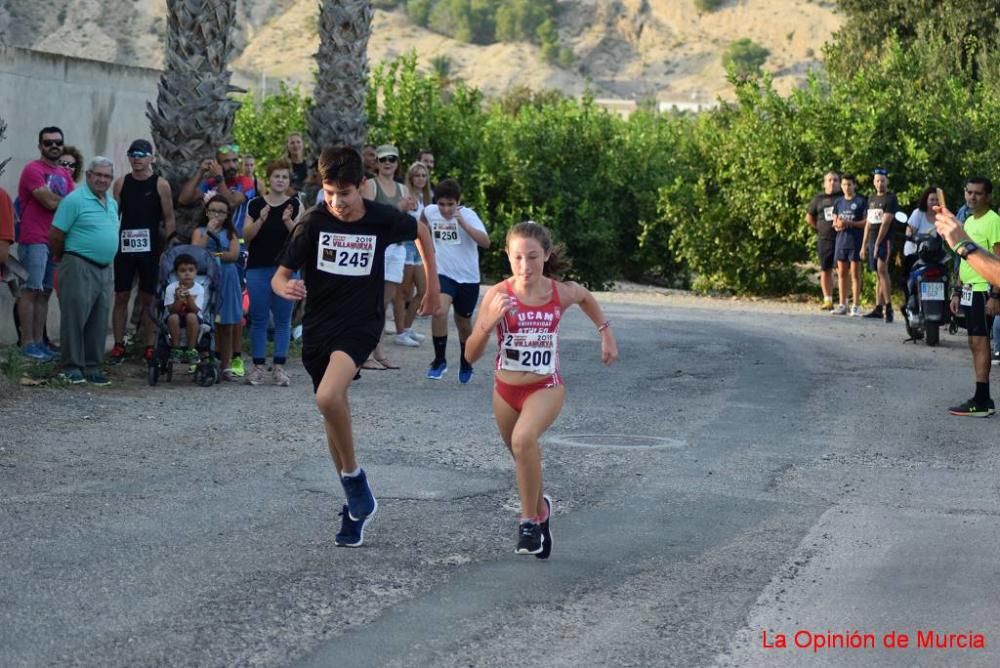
(623, 48)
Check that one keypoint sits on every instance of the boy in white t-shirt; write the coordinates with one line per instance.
(185, 300)
(458, 235)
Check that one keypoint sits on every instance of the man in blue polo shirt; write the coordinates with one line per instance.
(84, 235)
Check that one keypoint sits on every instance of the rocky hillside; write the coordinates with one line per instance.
(622, 48)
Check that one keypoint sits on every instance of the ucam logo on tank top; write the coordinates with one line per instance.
(528, 337)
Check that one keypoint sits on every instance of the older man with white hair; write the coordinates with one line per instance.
(84, 235)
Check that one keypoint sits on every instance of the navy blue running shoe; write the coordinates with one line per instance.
(352, 532)
(465, 375)
(360, 501)
(436, 372)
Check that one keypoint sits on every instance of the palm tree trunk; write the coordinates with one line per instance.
(338, 112)
(194, 113)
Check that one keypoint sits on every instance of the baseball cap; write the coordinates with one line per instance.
(141, 145)
(385, 150)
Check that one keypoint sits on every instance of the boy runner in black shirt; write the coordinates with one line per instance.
(340, 248)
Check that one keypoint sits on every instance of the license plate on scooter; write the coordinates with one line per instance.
(932, 292)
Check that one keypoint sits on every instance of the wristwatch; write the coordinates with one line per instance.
(964, 249)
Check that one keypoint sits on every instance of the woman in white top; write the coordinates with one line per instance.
(411, 290)
(921, 220)
(385, 190)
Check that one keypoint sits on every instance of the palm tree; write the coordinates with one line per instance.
(338, 111)
(194, 114)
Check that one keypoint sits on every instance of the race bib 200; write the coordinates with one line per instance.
(346, 254)
(136, 241)
(534, 352)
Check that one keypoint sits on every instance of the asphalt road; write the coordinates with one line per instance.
(745, 469)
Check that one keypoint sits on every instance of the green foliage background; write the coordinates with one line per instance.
(714, 200)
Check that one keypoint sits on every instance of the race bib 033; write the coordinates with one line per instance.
(136, 241)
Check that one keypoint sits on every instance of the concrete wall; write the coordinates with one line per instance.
(101, 107)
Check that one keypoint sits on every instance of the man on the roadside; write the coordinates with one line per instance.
(43, 185)
(973, 295)
(877, 243)
(84, 236)
(849, 222)
(819, 216)
(144, 202)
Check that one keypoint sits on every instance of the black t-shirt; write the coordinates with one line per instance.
(300, 172)
(343, 265)
(272, 235)
(879, 205)
(821, 209)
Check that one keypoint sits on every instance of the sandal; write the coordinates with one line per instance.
(386, 364)
(373, 365)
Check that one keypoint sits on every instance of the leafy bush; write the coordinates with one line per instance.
(715, 200)
(708, 5)
(745, 56)
(261, 127)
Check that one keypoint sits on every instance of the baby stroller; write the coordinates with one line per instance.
(206, 372)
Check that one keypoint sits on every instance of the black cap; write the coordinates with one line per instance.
(141, 145)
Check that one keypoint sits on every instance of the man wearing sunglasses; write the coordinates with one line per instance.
(42, 186)
(144, 202)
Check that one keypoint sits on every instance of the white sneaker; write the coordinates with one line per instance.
(855, 311)
(256, 375)
(415, 336)
(405, 340)
(279, 377)
(840, 310)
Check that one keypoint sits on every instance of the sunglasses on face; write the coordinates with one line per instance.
(67, 163)
(138, 154)
(48, 143)
(389, 158)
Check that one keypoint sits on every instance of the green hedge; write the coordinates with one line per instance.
(714, 200)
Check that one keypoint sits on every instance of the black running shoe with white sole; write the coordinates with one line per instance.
(546, 531)
(529, 538)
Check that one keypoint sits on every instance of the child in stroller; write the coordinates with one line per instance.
(184, 313)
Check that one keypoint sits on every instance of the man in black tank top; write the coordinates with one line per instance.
(144, 200)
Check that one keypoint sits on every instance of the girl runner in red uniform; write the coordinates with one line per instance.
(528, 390)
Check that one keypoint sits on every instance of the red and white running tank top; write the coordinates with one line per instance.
(527, 336)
